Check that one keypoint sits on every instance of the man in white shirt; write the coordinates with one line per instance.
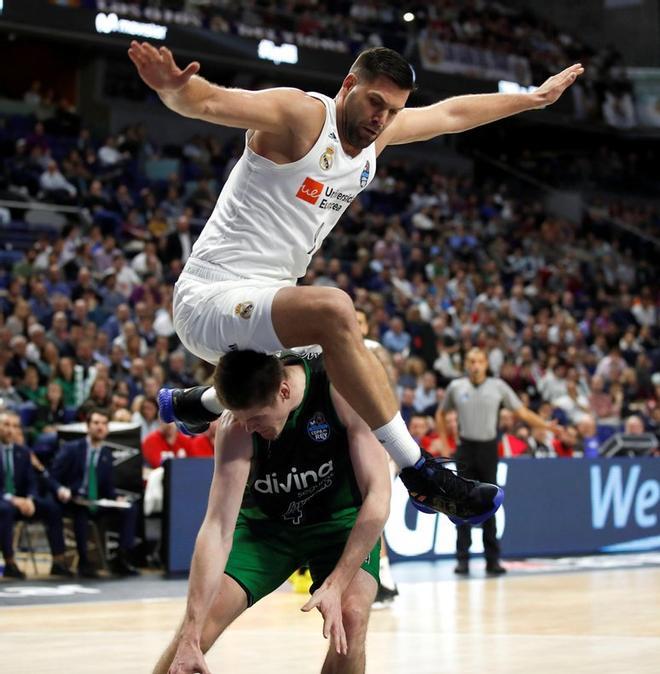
(54, 184)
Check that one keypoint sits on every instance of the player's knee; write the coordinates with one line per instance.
(336, 313)
(355, 619)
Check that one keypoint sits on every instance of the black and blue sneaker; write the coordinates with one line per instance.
(434, 488)
(184, 407)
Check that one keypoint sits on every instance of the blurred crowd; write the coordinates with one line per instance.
(476, 32)
(439, 263)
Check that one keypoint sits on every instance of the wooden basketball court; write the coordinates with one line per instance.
(584, 622)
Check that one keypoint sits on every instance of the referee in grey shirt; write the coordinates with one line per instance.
(477, 400)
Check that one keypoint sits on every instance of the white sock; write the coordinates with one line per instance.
(386, 579)
(210, 401)
(398, 443)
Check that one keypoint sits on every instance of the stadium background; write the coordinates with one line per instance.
(536, 237)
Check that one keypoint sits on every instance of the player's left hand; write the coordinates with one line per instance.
(550, 91)
(327, 599)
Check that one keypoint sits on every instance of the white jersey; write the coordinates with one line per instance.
(271, 218)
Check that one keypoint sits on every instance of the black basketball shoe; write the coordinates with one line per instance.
(184, 407)
(384, 596)
(436, 489)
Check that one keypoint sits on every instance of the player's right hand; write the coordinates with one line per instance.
(188, 659)
(157, 67)
(327, 599)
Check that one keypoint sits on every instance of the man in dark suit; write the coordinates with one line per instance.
(178, 244)
(21, 500)
(83, 469)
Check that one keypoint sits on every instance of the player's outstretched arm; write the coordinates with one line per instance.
(233, 449)
(270, 110)
(373, 477)
(466, 112)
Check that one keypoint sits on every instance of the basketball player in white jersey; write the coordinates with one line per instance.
(306, 158)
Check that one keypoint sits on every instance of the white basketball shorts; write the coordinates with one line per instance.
(216, 312)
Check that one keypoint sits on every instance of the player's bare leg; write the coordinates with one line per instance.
(315, 315)
(356, 607)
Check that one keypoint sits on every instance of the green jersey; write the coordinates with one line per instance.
(305, 476)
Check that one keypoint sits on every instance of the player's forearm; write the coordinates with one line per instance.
(206, 571)
(192, 99)
(467, 112)
(367, 529)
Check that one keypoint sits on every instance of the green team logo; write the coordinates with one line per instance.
(318, 428)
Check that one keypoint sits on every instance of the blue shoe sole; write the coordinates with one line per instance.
(473, 521)
(166, 411)
(166, 406)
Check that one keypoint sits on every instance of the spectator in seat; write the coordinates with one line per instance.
(612, 366)
(30, 388)
(55, 186)
(146, 414)
(425, 393)
(21, 501)
(396, 339)
(604, 406)
(178, 244)
(588, 434)
(165, 443)
(51, 412)
(83, 468)
(420, 429)
(574, 404)
(634, 425)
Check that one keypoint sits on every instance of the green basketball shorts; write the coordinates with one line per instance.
(265, 553)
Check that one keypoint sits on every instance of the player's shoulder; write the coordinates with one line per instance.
(299, 102)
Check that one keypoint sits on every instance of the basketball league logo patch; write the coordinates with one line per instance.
(364, 176)
(318, 428)
(244, 309)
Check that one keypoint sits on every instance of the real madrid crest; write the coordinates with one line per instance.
(244, 309)
(327, 158)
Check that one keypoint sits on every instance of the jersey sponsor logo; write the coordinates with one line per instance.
(272, 484)
(310, 191)
(335, 200)
(318, 428)
(244, 309)
(294, 512)
(364, 176)
(327, 158)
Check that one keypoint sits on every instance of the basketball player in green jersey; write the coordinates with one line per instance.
(299, 478)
